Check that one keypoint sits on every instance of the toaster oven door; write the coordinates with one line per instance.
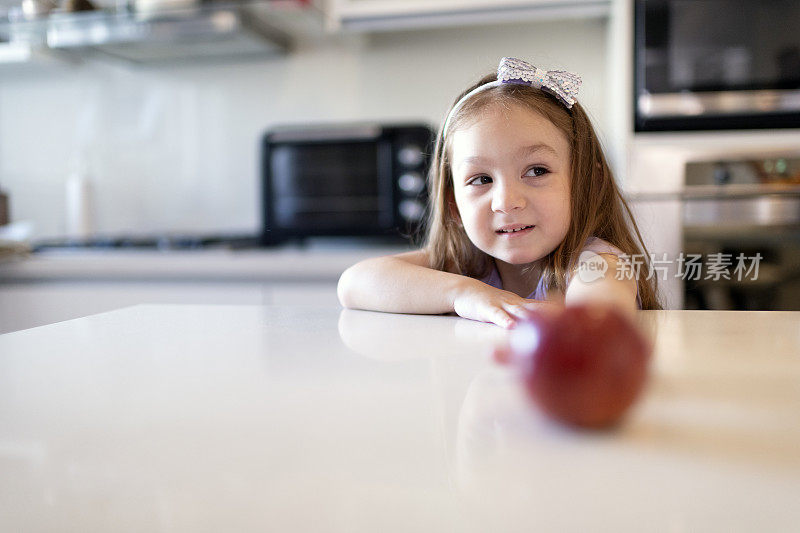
(328, 188)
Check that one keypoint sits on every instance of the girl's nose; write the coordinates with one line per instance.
(507, 197)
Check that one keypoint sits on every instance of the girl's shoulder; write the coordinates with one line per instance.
(600, 246)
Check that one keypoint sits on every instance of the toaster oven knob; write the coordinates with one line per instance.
(411, 210)
(411, 183)
(410, 155)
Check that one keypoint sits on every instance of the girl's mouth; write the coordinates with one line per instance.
(515, 232)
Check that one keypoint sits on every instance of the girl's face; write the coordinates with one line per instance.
(511, 171)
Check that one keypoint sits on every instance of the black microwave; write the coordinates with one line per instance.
(716, 64)
(354, 180)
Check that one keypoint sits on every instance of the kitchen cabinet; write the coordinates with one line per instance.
(226, 30)
(50, 287)
(231, 30)
(28, 305)
(384, 15)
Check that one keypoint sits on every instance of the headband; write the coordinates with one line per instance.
(563, 85)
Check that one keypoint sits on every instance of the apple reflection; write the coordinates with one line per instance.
(513, 462)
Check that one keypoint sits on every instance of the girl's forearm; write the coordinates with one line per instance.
(393, 285)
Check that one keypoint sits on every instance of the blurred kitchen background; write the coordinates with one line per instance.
(132, 134)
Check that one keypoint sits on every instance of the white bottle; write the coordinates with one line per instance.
(80, 204)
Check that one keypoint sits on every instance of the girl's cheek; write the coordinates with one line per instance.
(472, 192)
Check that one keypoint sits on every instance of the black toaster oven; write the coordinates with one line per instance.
(345, 180)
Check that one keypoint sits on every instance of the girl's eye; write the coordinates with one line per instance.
(536, 171)
(480, 180)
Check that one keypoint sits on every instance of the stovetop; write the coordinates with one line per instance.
(153, 242)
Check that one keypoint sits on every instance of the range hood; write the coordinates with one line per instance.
(207, 31)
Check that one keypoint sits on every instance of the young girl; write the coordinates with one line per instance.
(520, 190)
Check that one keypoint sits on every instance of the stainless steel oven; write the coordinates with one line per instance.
(716, 64)
(742, 219)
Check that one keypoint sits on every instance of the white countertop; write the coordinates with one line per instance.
(278, 264)
(313, 418)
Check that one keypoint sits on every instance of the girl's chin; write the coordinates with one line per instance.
(515, 254)
(517, 259)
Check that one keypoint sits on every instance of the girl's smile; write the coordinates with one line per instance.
(515, 230)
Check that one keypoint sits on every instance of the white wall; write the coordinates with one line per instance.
(176, 149)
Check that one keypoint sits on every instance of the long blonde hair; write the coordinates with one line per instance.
(597, 206)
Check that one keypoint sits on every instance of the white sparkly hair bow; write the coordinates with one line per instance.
(562, 85)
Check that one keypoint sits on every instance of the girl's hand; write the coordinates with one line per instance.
(485, 303)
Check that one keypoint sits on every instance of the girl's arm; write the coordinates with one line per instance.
(609, 288)
(405, 283)
(402, 283)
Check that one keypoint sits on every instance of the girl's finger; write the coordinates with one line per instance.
(503, 319)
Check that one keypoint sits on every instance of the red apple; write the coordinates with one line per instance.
(583, 366)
